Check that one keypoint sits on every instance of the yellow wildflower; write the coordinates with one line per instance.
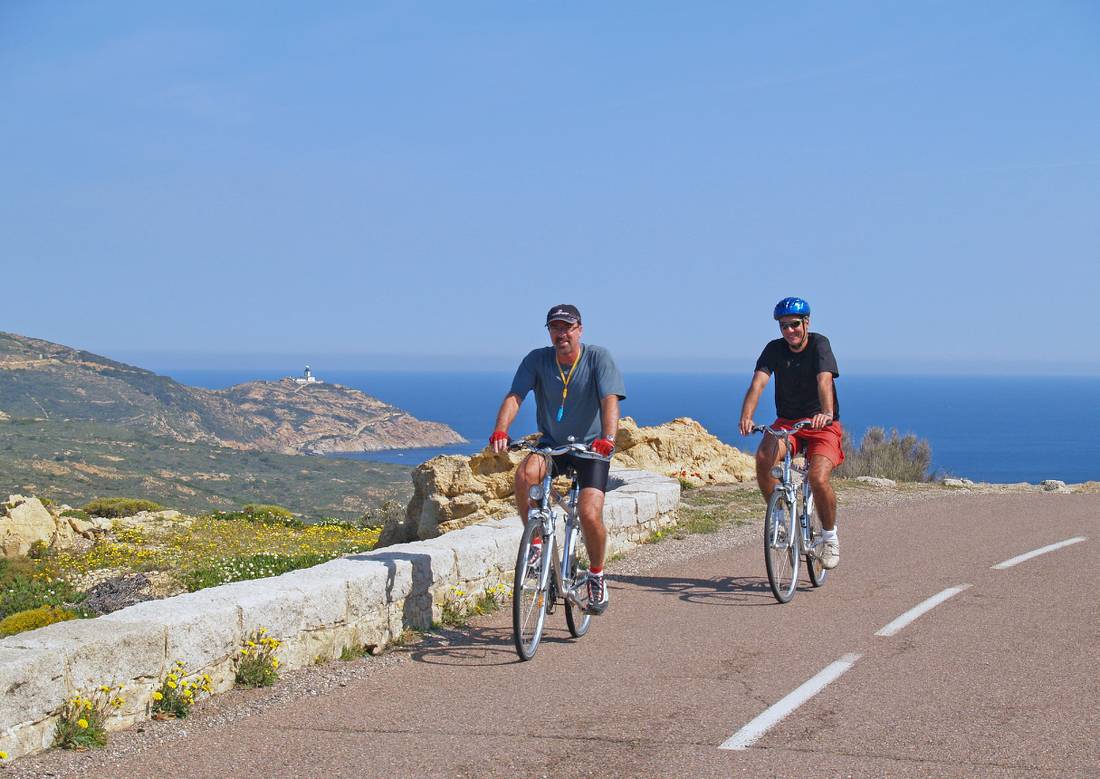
(104, 688)
(171, 685)
(3, 755)
(158, 696)
(275, 662)
(83, 723)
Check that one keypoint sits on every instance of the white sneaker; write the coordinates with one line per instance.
(830, 553)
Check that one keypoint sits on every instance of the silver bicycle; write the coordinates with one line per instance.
(539, 584)
(784, 540)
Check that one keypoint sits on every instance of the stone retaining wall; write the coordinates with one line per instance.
(359, 600)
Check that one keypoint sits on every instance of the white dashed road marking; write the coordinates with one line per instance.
(919, 609)
(1036, 552)
(771, 716)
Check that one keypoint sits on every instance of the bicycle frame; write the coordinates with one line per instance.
(801, 498)
(561, 582)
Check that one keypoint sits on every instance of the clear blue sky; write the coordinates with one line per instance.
(413, 185)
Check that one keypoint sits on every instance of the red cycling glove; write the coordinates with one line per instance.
(603, 447)
(498, 435)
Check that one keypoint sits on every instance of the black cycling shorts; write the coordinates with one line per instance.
(591, 472)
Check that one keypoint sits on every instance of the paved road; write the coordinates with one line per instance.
(999, 680)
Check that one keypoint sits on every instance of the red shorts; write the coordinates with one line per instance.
(825, 442)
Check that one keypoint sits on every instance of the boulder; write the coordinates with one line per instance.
(877, 481)
(949, 482)
(682, 448)
(25, 521)
(1054, 485)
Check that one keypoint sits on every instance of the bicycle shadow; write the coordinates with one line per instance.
(476, 646)
(725, 591)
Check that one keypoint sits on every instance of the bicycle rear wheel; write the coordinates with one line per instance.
(781, 554)
(529, 599)
(817, 571)
(575, 617)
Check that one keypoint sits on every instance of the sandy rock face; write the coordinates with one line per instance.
(682, 448)
(451, 491)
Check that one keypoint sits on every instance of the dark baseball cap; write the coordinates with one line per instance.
(563, 312)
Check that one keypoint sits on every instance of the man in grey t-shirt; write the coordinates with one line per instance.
(577, 392)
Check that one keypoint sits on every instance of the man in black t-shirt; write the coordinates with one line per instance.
(804, 368)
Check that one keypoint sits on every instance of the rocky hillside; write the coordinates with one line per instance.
(47, 381)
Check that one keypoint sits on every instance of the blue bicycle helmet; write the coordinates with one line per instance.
(791, 307)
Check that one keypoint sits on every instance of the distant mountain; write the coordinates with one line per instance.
(48, 381)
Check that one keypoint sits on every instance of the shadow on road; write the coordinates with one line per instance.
(477, 646)
(726, 591)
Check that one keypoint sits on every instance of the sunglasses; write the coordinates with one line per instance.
(564, 328)
(792, 325)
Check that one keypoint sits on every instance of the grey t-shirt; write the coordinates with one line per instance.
(595, 378)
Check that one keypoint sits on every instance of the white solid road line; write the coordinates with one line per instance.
(919, 609)
(1036, 552)
(760, 724)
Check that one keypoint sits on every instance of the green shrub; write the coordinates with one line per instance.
(268, 509)
(897, 457)
(119, 507)
(31, 619)
(263, 514)
(78, 513)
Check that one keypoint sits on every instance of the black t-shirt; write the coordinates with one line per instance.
(796, 376)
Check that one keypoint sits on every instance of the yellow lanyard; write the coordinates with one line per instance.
(565, 382)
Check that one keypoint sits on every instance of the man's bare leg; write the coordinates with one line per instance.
(590, 510)
(530, 471)
(768, 455)
(821, 468)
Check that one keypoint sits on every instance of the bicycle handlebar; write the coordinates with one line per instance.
(785, 433)
(554, 451)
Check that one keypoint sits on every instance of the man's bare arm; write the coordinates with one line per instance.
(505, 416)
(825, 398)
(609, 416)
(752, 397)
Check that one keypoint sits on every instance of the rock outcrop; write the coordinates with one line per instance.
(681, 448)
(450, 492)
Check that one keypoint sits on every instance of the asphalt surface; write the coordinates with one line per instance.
(998, 680)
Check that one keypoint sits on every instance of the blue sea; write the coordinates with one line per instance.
(987, 428)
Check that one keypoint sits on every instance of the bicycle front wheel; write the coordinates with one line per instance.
(817, 571)
(529, 599)
(781, 554)
(575, 617)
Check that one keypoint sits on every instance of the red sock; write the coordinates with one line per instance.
(596, 571)
(536, 541)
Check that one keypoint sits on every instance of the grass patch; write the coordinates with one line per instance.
(23, 588)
